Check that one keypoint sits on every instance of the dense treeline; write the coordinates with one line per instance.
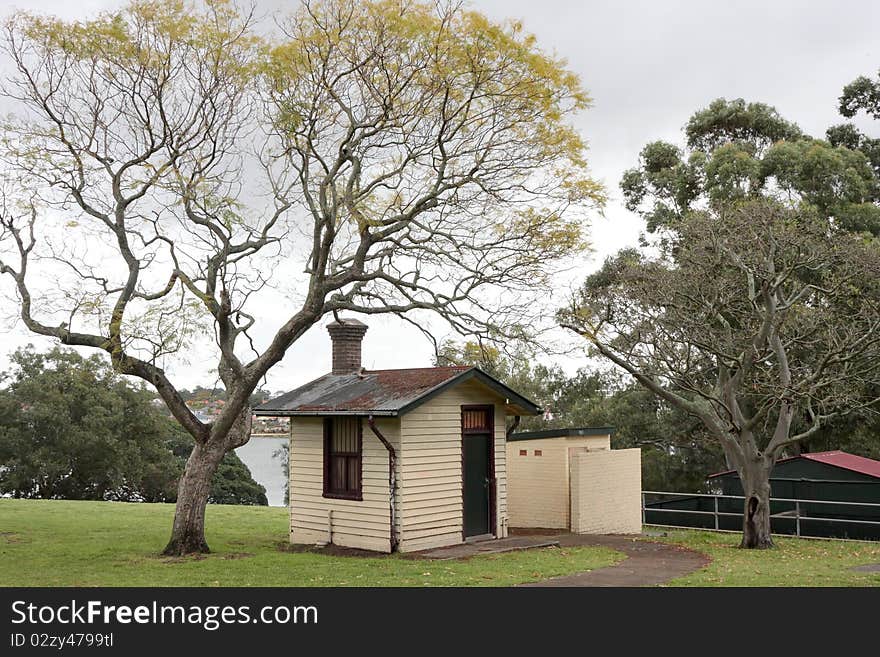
(71, 428)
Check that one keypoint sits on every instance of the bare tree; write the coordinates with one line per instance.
(167, 160)
(762, 321)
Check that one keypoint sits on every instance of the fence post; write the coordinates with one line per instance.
(716, 511)
(643, 508)
(797, 517)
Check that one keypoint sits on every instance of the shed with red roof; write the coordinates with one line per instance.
(834, 476)
(853, 463)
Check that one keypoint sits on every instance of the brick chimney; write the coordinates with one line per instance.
(347, 335)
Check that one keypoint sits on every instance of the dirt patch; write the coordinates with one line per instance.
(495, 546)
(536, 531)
(328, 550)
(340, 551)
(12, 537)
(185, 559)
(201, 557)
(868, 568)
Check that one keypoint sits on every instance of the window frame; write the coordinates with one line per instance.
(354, 494)
(487, 428)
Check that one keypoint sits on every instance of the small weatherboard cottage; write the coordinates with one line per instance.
(396, 460)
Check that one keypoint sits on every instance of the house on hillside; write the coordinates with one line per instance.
(405, 459)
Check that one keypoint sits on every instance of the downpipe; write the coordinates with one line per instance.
(513, 427)
(392, 478)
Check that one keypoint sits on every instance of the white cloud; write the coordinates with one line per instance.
(648, 65)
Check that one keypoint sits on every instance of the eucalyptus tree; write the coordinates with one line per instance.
(862, 95)
(760, 319)
(167, 162)
(736, 150)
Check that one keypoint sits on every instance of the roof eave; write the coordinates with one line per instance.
(324, 412)
(576, 432)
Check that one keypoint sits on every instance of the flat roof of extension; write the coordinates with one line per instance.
(562, 433)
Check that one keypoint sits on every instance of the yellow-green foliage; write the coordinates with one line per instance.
(413, 67)
(453, 52)
(443, 135)
(142, 34)
(488, 84)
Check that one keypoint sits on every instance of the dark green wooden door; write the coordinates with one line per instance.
(476, 484)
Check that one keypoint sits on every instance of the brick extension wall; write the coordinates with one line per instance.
(537, 489)
(537, 492)
(606, 491)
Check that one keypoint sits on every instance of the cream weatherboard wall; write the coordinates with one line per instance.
(430, 477)
(362, 523)
(538, 479)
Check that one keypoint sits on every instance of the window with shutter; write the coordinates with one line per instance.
(343, 457)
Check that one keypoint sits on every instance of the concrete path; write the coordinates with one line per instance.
(647, 563)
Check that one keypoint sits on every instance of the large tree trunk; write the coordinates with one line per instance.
(756, 507)
(188, 532)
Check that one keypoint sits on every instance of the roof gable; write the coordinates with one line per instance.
(385, 392)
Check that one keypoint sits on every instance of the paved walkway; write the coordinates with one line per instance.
(647, 563)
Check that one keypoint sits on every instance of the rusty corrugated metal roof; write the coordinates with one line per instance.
(382, 392)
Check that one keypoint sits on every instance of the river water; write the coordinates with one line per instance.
(257, 455)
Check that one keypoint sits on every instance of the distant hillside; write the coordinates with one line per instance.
(207, 403)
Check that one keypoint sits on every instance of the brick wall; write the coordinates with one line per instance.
(606, 490)
(537, 490)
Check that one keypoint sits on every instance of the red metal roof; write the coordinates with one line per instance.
(836, 458)
(847, 461)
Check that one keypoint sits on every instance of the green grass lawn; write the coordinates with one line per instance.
(58, 543)
(61, 543)
(793, 562)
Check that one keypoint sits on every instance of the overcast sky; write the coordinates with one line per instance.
(648, 66)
